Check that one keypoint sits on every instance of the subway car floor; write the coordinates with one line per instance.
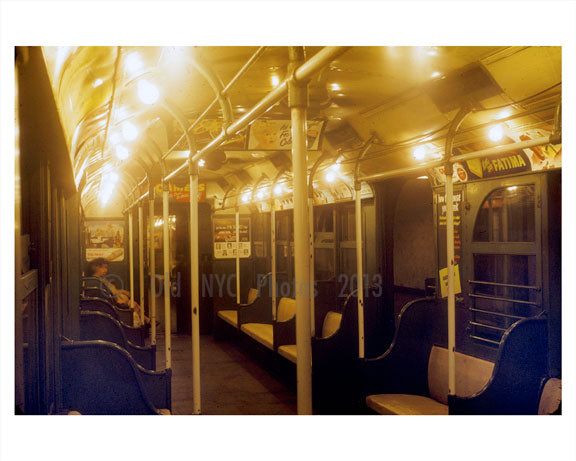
(232, 382)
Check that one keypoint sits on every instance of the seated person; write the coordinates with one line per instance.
(99, 268)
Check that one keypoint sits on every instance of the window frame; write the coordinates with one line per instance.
(476, 194)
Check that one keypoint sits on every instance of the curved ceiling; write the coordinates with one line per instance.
(404, 95)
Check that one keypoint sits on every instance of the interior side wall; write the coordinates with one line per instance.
(414, 235)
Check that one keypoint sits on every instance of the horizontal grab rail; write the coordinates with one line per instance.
(477, 324)
(479, 338)
(500, 314)
(510, 300)
(480, 282)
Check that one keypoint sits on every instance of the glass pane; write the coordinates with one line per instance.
(347, 225)
(348, 261)
(507, 215)
(283, 227)
(482, 229)
(503, 269)
(324, 263)
(323, 220)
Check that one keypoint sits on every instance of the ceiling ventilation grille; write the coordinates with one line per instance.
(468, 85)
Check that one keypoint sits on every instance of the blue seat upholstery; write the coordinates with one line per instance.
(136, 335)
(126, 316)
(97, 325)
(101, 378)
(520, 371)
(336, 375)
(403, 367)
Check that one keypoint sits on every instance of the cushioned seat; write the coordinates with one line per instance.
(261, 332)
(286, 309)
(405, 404)
(472, 375)
(551, 397)
(229, 316)
(101, 378)
(331, 323)
(252, 296)
(288, 352)
(330, 326)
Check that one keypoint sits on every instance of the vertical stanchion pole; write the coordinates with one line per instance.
(194, 287)
(273, 255)
(131, 253)
(450, 265)
(152, 267)
(311, 281)
(237, 255)
(141, 259)
(449, 202)
(166, 248)
(359, 249)
(297, 100)
(359, 268)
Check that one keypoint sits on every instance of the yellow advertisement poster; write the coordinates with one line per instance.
(276, 134)
(444, 281)
(105, 239)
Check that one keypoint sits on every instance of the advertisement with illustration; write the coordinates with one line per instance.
(182, 193)
(204, 132)
(105, 239)
(509, 163)
(276, 135)
(225, 245)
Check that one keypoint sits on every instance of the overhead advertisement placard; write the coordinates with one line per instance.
(182, 193)
(225, 245)
(276, 135)
(509, 163)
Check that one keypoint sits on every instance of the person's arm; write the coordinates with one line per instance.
(116, 291)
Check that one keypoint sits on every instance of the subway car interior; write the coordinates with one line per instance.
(288, 230)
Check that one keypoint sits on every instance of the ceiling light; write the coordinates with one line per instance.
(201, 162)
(505, 113)
(278, 188)
(420, 152)
(120, 113)
(435, 74)
(129, 131)
(134, 63)
(114, 138)
(335, 168)
(147, 92)
(246, 197)
(107, 185)
(496, 132)
(260, 195)
(422, 177)
(330, 177)
(121, 152)
(96, 83)
(275, 80)
(335, 87)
